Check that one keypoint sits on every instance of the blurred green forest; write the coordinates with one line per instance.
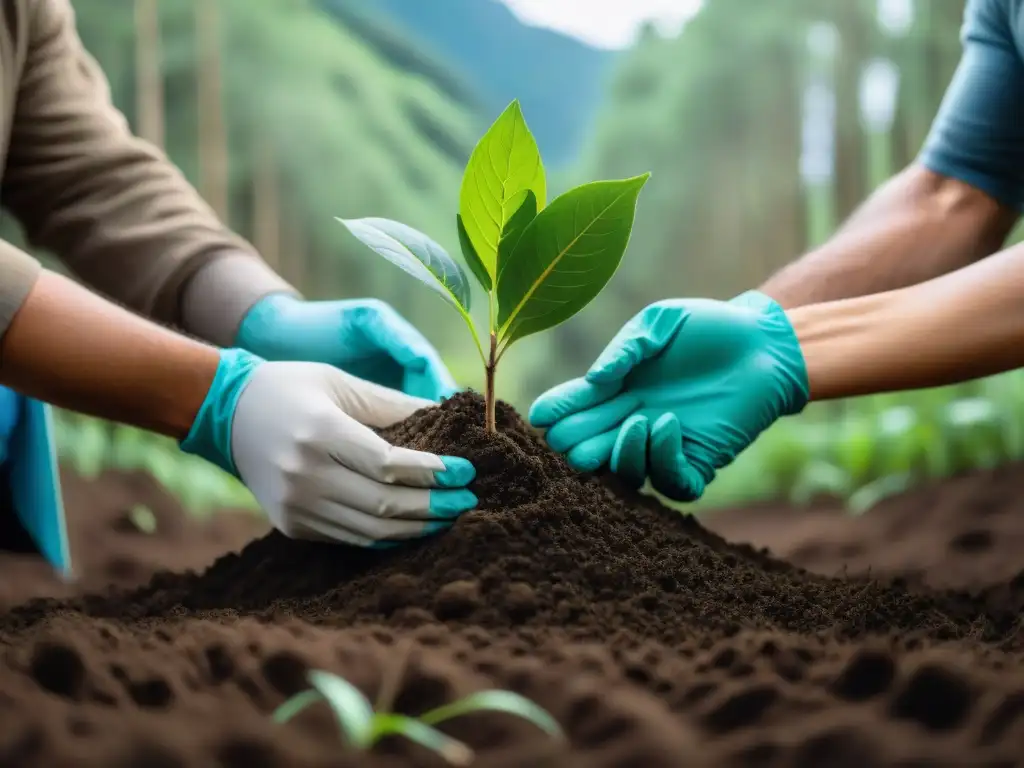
(765, 124)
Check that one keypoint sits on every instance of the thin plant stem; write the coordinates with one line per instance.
(476, 336)
(392, 681)
(490, 422)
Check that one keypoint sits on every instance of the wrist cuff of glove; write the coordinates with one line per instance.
(222, 293)
(210, 435)
(785, 349)
(265, 327)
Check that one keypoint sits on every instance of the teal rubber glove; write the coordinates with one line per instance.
(301, 437)
(681, 390)
(366, 338)
(28, 453)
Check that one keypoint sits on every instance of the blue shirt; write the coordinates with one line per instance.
(978, 134)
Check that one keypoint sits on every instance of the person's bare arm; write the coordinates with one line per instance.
(72, 348)
(917, 226)
(954, 328)
(111, 206)
(952, 207)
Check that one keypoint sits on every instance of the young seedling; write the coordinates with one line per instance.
(363, 728)
(143, 519)
(539, 265)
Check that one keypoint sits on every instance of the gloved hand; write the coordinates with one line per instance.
(29, 458)
(10, 412)
(299, 436)
(364, 337)
(681, 390)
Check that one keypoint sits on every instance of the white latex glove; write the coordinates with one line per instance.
(302, 443)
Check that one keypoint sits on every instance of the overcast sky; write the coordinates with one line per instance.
(604, 23)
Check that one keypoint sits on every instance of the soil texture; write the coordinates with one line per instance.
(652, 640)
(109, 548)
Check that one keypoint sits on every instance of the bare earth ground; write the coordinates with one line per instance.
(650, 638)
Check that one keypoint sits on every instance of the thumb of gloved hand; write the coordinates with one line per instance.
(302, 441)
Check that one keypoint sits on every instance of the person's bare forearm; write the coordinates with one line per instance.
(954, 328)
(76, 350)
(916, 227)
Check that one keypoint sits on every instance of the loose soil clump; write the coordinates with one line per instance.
(652, 640)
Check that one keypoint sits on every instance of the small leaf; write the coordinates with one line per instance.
(453, 751)
(876, 492)
(296, 704)
(353, 712)
(495, 701)
(505, 163)
(414, 253)
(566, 255)
(472, 260)
(142, 518)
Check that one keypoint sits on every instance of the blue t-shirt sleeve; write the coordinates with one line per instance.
(978, 135)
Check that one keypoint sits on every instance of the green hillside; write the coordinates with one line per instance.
(558, 79)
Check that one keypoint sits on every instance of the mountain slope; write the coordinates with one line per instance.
(558, 79)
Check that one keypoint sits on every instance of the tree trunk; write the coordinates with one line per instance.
(149, 84)
(213, 150)
(266, 223)
(294, 249)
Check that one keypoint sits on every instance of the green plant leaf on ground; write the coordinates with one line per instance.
(877, 491)
(416, 254)
(495, 701)
(296, 704)
(469, 254)
(353, 712)
(143, 519)
(504, 164)
(452, 750)
(566, 255)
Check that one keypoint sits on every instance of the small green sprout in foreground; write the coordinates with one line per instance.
(538, 264)
(143, 519)
(363, 727)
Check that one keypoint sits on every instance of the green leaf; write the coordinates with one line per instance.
(453, 751)
(353, 712)
(472, 260)
(878, 491)
(525, 212)
(414, 253)
(295, 704)
(566, 255)
(142, 518)
(495, 701)
(505, 163)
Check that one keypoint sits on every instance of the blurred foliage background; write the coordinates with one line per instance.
(765, 124)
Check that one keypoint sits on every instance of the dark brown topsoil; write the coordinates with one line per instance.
(653, 641)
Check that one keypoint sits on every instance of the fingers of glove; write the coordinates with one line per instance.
(387, 330)
(629, 455)
(592, 454)
(372, 404)
(339, 524)
(433, 383)
(671, 472)
(574, 429)
(360, 449)
(350, 489)
(643, 337)
(568, 398)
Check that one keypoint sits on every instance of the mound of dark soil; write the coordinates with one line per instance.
(653, 641)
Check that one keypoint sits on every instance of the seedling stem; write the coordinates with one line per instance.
(490, 370)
